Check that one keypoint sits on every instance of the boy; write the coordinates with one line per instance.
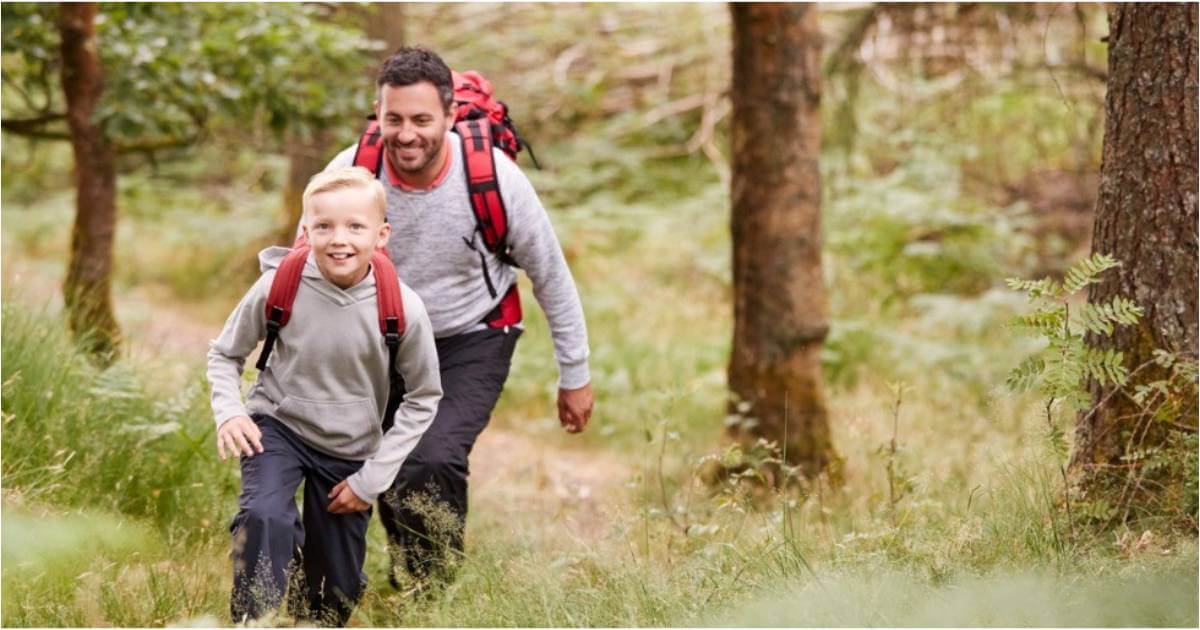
(314, 413)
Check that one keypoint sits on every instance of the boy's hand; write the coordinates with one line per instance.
(344, 500)
(240, 436)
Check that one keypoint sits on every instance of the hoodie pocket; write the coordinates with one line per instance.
(349, 429)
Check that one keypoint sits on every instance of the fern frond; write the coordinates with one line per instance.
(1087, 271)
(1022, 377)
(1034, 289)
(1044, 321)
(1106, 366)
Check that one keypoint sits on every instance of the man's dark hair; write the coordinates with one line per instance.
(411, 65)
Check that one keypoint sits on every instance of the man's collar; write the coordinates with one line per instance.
(395, 180)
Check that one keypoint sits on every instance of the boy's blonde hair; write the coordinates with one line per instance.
(342, 178)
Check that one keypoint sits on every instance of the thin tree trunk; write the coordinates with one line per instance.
(308, 156)
(1146, 217)
(87, 289)
(385, 23)
(780, 307)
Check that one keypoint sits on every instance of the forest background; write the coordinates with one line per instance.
(960, 146)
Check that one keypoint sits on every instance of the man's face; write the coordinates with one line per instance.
(344, 228)
(413, 125)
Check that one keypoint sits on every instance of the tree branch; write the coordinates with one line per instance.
(150, 145)
(35, 127)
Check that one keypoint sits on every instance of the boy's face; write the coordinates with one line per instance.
(345, 227)
(413, 124)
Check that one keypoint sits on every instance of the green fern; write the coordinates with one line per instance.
(1087, 271)
(1061, 370)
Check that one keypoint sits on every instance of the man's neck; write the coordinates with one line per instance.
(429, 176)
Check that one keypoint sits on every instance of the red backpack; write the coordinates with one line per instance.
(481, 122)
(286, 283)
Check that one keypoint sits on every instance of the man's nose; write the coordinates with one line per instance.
(405, 133)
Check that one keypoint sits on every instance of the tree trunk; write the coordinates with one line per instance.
(780, 307)
(87, 290)
(306, 157)
(385, 23)
(1146, 217)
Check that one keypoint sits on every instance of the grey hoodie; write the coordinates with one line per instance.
(327, 376)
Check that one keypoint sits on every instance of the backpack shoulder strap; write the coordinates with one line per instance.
(391, 304)
(281, 299)
(369, 152)
(482, 186)
(391, 324)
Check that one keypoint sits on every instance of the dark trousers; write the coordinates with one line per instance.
(425, 510)
(271, 539)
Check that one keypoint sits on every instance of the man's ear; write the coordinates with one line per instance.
(452, 112)
(385, 231)
(375, 108)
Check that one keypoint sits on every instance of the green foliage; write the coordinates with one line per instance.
(1061, 369)
(173, 70)
(76, 435)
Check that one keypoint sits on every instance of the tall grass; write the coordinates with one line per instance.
(75, 435)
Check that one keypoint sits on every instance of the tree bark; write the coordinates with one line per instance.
(780, 308)
(1146, 217)
(306, 157)
(385, 22)
(87, 289)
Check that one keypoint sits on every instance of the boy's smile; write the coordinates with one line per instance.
(345, 227)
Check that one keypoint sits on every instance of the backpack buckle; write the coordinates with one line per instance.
(392, 335)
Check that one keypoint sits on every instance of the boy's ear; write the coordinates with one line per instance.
(385, 231)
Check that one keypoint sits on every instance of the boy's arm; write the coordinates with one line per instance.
(417, 361)
(227, 353)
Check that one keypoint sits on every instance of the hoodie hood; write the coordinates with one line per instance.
(271, 257)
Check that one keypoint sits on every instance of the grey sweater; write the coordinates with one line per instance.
(327, 376)
(436, 249)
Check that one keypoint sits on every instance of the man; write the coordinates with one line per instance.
(439, 251)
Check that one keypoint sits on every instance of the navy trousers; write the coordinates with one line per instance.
(425, 510)
(318, 557)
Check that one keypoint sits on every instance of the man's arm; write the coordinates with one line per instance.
(417, 361)
(535, 247)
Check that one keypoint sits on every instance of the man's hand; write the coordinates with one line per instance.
(575, 407)
(344, 500)
(240, 436)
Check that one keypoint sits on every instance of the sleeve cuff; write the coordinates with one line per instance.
(356, 485)
(573, 376)
(230, 414)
